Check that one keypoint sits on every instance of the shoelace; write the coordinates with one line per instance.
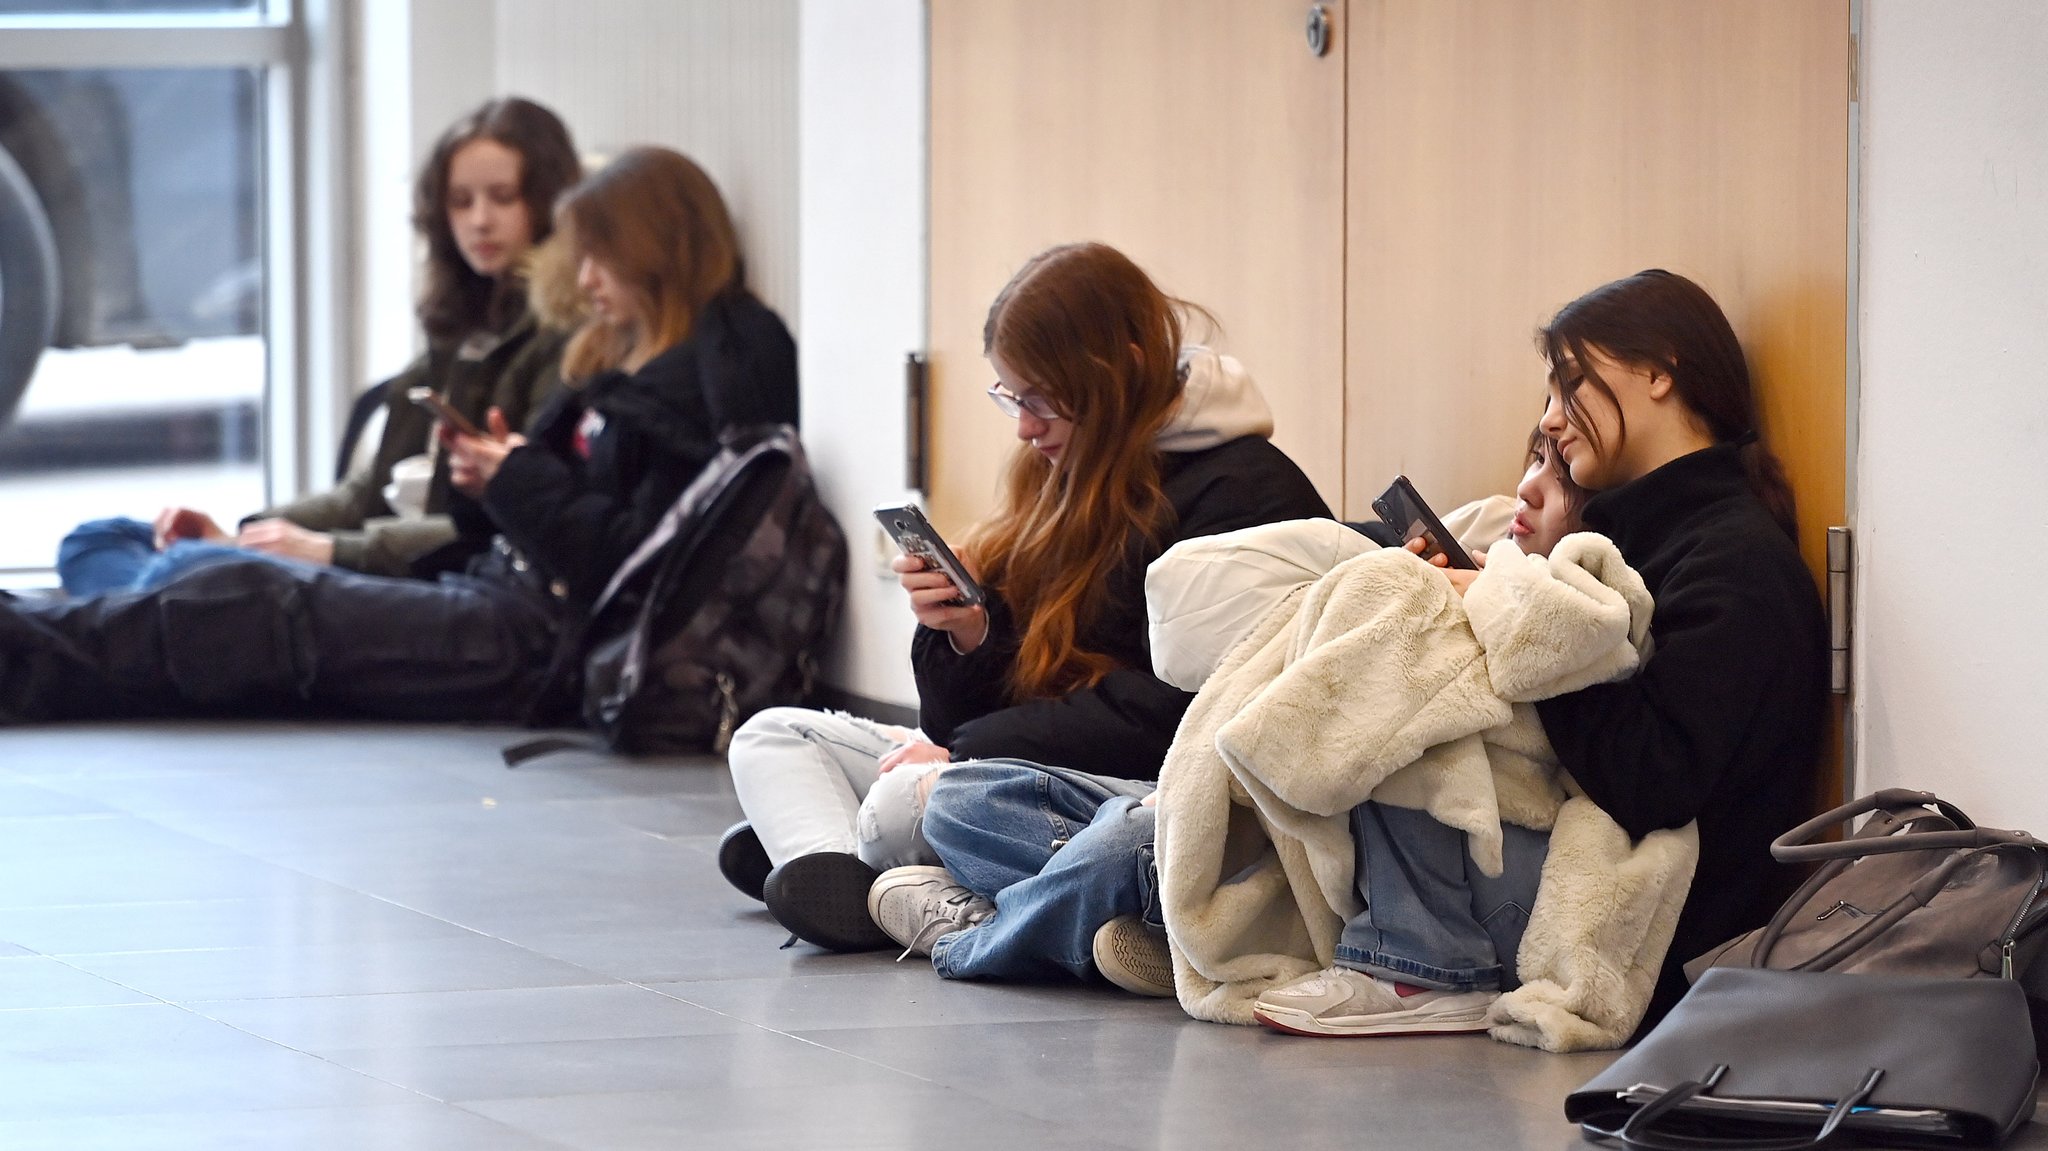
(937, 915)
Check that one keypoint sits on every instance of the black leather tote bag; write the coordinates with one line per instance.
(1767, 1060)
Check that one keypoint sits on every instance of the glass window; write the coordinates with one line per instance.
(126, 7)
(132, 286)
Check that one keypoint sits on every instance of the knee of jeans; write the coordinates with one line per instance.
(757, 743)
(888, 829)
(119, 529)
(236, 634)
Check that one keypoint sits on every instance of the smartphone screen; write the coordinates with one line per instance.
(1402, 507)
(431, 400)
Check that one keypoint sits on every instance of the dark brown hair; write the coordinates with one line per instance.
(456, 300)
(655, 219)
(1667, 324)
(1089, 331)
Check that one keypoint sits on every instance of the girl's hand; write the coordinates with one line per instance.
(1461, 578)
(474, 460)
(174, 524)
(916, 751)
(931, 601)
(287, 539)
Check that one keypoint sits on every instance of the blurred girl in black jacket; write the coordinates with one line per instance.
(677, 350)
(1130, 443)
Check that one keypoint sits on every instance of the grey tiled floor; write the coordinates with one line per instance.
(272, 936)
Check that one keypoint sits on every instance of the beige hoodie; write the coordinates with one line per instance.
(1218, 403)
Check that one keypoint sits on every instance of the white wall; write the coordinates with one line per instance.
(861, 216)
(715, 79)
(1952, 474)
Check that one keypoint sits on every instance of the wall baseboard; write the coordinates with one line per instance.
(839, 699)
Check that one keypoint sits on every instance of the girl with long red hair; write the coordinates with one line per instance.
(1130, 442)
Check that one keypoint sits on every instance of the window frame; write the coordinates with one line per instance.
(308, 213)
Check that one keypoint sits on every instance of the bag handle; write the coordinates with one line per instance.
(1798, 846)
(1916, 896)
(1639, 1132)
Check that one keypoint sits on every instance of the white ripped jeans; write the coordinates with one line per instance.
(812, 781)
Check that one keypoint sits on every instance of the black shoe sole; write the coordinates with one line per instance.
(823, 899)
(742, 860)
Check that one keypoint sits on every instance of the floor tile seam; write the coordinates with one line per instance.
(151, 996)
(605, 981)
(192, 1009)
(303, 873)
(522, 1132)
(189, 1009)
(804, 1039)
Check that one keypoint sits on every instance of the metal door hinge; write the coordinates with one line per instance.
(1841, 554)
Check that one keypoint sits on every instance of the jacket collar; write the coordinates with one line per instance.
(1642, 515)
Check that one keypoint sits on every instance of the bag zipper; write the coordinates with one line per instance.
(729, 714)
(2012, 930)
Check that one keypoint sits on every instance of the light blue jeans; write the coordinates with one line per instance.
(101, 556)
(1060, 853)
(1431, 917)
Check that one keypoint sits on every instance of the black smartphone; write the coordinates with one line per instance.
(431, 400)
(1404, 510)
(916, 536)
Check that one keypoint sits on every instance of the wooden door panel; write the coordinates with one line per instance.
(1507, 155)
(1198, 136)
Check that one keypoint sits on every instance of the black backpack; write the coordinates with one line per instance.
(723, 610)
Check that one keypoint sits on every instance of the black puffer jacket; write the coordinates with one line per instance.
(577, 519)
(1123, 725)
(1724, 723)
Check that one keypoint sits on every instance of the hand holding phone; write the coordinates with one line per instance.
(917, 538)
(1402, 507)
(428, 398)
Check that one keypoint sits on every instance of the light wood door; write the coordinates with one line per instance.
(1507, 155)
(1201, 137)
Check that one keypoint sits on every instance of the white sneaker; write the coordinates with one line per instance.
(1340, 1001)
(916, 906)
(1134, 957)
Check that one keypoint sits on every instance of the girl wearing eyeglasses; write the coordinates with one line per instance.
(1128, 443)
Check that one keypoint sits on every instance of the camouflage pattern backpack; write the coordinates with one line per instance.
(723, 610)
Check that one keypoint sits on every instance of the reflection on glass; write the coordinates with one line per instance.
(133, 260)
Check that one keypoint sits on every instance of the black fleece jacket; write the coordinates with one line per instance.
(1724, 722)
(1123, 725)
(578, 519)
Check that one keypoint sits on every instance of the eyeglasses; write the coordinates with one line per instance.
(1014, 406)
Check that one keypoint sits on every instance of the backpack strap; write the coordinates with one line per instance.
(518, 753)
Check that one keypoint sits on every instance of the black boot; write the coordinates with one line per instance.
(822, 898)
(742, 860)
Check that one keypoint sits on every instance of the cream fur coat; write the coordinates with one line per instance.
(1377, 681)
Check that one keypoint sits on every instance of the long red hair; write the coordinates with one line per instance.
(1087, 329)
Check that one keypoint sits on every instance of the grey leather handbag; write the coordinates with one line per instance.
(1919, 889)
(1766, 1060)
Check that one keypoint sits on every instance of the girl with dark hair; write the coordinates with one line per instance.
(1130, 441)
(678, 352)
(1652, 408)
(484, 198)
